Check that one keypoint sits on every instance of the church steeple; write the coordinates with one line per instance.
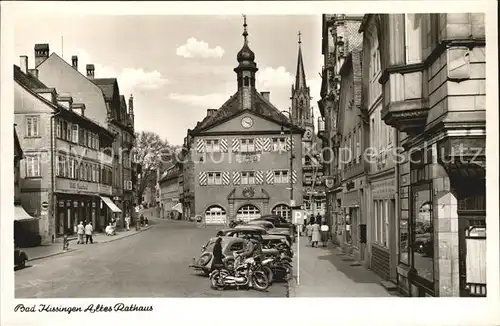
(300, 76)
(301, 98)
(246, 70)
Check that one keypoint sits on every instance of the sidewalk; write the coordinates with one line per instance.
(324, 272)
(54, 249)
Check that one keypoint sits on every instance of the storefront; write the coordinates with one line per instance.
(445, 234)
(353, 220)
(78, 201)
(383, 246)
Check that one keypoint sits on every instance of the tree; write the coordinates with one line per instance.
(151, 153)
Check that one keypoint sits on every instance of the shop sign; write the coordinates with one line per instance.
(329, 182)
(349, 185)
(78, 185)
(45, 206)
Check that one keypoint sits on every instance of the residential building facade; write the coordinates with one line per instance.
(66, 176)
(433, 93)
(303, 116)
(241, 155)
(381, 191)
(169, 192)
(105, 106)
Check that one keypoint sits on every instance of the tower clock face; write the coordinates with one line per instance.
(308, 134)
(247, 122)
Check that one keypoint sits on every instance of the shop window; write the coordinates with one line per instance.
(403, 240)
(422, 229)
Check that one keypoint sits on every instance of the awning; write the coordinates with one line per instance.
(178, 207)
(21, 215)
(110, 204)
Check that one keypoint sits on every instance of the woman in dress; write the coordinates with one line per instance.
(309, 232)
(316, 236)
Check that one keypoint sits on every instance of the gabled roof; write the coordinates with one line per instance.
(107, 85)
(27, 79)
(232, 107)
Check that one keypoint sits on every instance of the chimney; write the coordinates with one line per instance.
(41, 53)
(74, 62)
(266, 95)
(33, 72)
(211, 112)
(23, 63)
(90, 71)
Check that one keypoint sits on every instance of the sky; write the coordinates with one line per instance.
(177, 66)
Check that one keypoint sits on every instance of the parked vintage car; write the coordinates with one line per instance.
(20, 258)
(270, 228)
(229, 246)
(255, 232)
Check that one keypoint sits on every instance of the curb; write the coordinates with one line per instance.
(77, 249)
(52, 254)
(125, 236)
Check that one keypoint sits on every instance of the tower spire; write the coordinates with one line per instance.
(300, 76)
(245, 33)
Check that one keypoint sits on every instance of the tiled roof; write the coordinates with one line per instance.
(232, 107)
(27, 80)
(123, 103)
(106, 85)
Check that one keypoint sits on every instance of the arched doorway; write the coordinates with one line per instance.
(283, 211)
(247, 213)
(215, 215)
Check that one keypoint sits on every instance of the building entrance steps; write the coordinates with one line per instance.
(326, 272)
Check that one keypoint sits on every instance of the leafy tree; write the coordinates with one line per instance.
(151, 153)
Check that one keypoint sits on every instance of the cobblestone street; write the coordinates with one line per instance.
(153, 263)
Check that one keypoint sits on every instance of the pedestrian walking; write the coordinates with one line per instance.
(309, 232)
(80, 232)
(316, 236)
(324, 234)
(142, 220)
(146, 221)
(217, 253)
(127, 222)
(88, 233)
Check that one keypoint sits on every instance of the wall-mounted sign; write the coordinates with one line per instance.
(45, 206)
(78, 185)
(349, 185)
(329, 182)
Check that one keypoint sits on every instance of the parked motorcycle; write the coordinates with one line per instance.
(246, 274)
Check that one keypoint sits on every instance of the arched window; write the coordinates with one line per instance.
(283, 211)
(246, 81)
(247, 213)
(215, 215)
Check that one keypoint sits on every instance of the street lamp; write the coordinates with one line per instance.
(291, 158)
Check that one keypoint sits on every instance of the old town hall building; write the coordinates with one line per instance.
(238, 164)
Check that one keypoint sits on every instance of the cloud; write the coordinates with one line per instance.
(129, 79)
(270, 77)
(198, 49)
(208, 101)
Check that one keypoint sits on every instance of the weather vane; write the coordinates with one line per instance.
(300, 41)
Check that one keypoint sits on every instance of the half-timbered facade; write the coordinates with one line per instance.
(240, 155)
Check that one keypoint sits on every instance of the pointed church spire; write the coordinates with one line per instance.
(300, 76)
